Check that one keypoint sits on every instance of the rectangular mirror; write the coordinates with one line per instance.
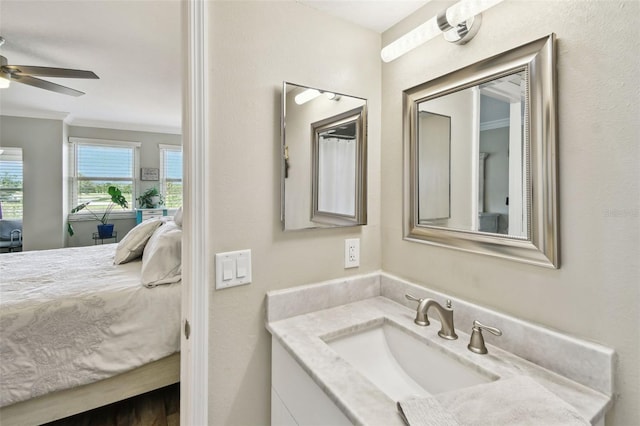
(434, 168)
(324, 148)
(480, 157)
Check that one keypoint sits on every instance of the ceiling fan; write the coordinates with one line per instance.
(25, 74)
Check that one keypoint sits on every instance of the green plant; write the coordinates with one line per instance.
(117, 199)
(150, 198)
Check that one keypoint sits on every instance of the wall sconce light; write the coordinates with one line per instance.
(459, 24)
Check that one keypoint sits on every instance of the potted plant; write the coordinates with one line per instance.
(105, 229)
(150, 199)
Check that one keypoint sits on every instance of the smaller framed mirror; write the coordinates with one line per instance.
(324, 159)
(480, 152)
(336, 169)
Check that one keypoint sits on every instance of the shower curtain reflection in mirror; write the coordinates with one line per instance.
(337, 174)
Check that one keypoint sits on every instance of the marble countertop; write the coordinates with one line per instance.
(362, 402)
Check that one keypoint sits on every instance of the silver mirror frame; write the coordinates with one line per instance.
(538, 60)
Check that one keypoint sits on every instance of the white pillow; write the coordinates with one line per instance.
(177, 218)
(132, 245)
(162, 257)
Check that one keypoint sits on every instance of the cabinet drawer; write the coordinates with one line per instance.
(152, 214)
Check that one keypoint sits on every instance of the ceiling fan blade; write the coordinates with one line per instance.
(23, 70)
(47, 85)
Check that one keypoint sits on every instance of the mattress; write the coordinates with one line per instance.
(70, 317)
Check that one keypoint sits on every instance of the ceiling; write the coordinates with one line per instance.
(377, 15)
(134, 47)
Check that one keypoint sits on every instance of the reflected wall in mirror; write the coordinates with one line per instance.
(324, 148)
(480, 157)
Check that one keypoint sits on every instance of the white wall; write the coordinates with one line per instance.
(595, 293)
(254, 47)
(43, 205)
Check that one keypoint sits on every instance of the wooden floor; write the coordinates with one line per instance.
(156, 408)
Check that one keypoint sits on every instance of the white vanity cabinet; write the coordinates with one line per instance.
(295, 398)
(314, 382)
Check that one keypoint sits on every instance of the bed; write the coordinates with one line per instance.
(78, 332)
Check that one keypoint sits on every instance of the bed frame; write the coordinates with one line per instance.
(61, 404)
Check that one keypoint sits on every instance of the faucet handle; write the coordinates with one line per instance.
(413, 298)
(476, 344)
(421, 313)
(492, 330)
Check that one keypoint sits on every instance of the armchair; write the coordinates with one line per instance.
(10, 235)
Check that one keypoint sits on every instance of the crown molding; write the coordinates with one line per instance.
(32, 113)
(495, 124)
(70, 120)
(136, 127)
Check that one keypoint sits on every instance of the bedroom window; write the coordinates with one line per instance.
(97, 164)
(171, 175)
(10, 183)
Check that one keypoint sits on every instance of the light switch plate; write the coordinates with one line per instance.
(233, 268)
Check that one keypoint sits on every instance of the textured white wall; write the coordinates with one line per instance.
(595, 294)
(254, 47)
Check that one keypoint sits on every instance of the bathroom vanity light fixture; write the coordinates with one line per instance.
(331, 96)
(459, 24)
(306, 96)
(310, 94)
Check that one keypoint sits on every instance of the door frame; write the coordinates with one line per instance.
(194, 371)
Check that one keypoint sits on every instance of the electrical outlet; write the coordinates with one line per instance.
(352, 253)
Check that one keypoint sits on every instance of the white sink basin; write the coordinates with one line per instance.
(403, 366)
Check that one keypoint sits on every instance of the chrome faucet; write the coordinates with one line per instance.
(447, 330)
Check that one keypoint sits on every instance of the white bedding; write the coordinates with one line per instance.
(69, 317)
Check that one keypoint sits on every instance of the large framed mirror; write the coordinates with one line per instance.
(481, 157)
(324, 158)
